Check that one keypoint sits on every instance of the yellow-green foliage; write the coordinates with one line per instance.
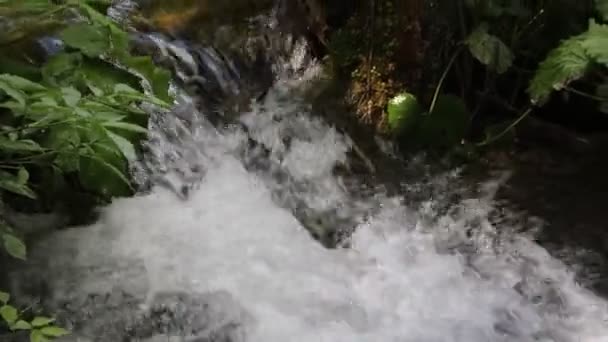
(364, 53)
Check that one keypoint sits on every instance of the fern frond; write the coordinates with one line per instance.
(564, 64)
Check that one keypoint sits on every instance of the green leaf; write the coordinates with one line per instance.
(21, 325)
(596, 42)
(61, 64)
(29, 6)
(7, 145)
(14, 93)
(82, 112)
(37, 336)
(103, 169)
(54, 331)
(13, 185)
(65, 139)
(101, 77)
(92, 40)
(125, 126)
(67, 161)
(94, 88)
(125, 146)
(96, 17)
(108, 116)
(602, 8)
(63, 136)
(9, 314)
(564, 64)
(158, 78)
(489, 50)
(39, 321)
(14, 246)
(4, 297)
(21, 83)
(118, 38)
(71, 96)
(125, 88)
(15, 66)
(443, 128)
(23, 176)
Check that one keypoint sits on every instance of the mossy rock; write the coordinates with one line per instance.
(403, 112)
(443, 128)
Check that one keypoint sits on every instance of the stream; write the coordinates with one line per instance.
(218, 244)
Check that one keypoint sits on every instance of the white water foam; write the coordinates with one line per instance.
(403, 279)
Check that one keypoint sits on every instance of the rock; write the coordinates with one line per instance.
(208, 317)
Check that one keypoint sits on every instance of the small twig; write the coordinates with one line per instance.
(584, 94)
(511, 126)
(368, 163)
(517, 35)
(19, 129)
(443, 77)
(498, 100)
(464, 30)
(370, 56)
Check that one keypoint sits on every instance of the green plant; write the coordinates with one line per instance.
(41, 329)
(11, 243)
(81, 118)
(69, 122)
(62, 131)
(574, 58)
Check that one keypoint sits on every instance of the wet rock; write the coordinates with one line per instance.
(209, 317)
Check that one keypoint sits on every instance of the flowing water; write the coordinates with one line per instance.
(218, 249)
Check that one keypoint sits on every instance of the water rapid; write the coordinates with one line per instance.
(219, 248)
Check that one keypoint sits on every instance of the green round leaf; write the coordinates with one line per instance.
(445, 127)
(4, 297)
(14, 246)
(12, 183)
(490, 50)
(23, 176)
(403, 113)
(9, 314)
(21, 325)
(54, 331)
(37, 336)
(39, 321)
